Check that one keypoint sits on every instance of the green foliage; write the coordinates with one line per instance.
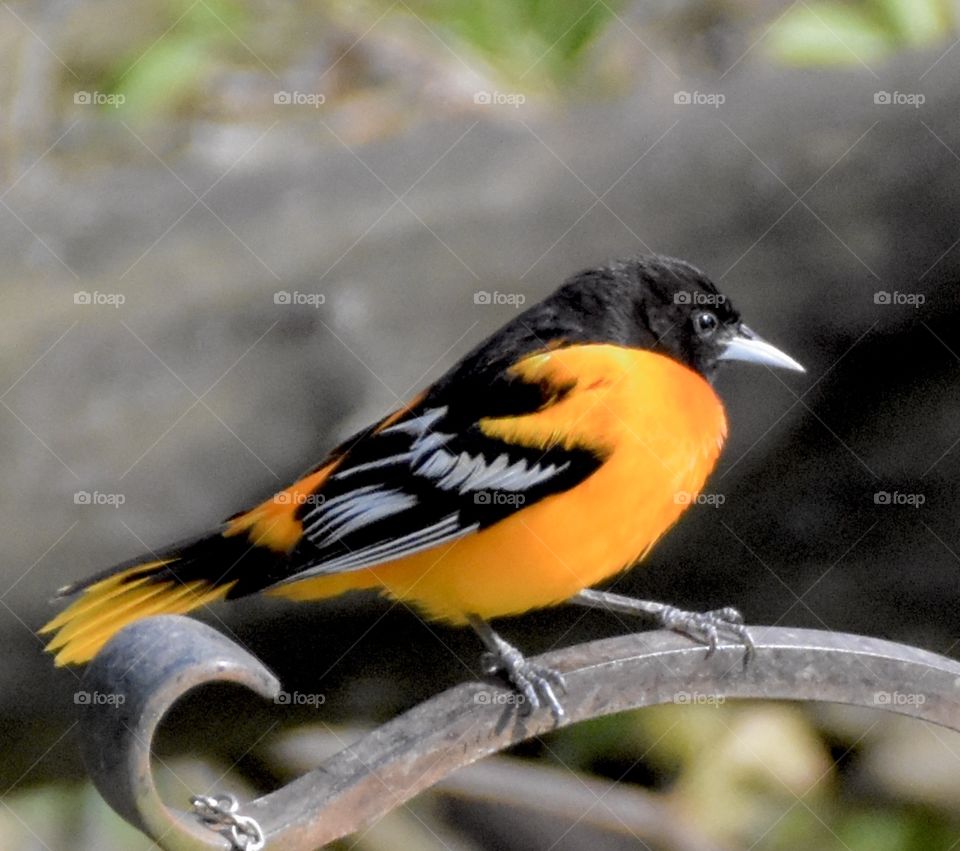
(65, 815)
(755, 775)
(879, 828)
(168, 69)
(838, 32)
(533, 42)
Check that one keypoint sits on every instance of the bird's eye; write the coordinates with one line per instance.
(706, 323)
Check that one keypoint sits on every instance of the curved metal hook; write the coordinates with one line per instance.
(155, 661)
(129, 687)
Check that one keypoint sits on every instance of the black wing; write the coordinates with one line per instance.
(429, 478)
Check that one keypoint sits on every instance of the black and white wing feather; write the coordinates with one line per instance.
(421, 482)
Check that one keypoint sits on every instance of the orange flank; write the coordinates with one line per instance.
(660, 426)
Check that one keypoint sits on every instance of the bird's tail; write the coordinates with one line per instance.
(176, 580)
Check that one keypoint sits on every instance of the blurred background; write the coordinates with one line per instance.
(233, 231)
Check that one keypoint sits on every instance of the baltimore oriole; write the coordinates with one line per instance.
(550, 458)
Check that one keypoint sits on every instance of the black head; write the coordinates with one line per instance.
(656, 303)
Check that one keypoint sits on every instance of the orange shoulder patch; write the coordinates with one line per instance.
(273, 523)
(400, 413)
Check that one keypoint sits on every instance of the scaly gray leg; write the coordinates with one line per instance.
(535, 682)
(705, 627)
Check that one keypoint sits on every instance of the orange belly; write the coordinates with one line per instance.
(661, 426)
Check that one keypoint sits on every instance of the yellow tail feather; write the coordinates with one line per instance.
(114, 606)
(89, 600)
(111, 604)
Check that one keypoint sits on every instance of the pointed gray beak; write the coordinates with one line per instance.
(747, 346)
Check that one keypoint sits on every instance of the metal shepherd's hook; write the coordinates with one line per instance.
(155, 661)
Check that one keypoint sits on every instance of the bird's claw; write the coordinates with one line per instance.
(707, 627)
(536, 683)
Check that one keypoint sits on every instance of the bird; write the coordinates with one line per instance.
(548, 460)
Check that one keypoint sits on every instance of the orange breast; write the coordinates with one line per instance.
(661, 426)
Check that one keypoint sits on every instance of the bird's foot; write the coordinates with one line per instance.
(708, 627)
(537, 684)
